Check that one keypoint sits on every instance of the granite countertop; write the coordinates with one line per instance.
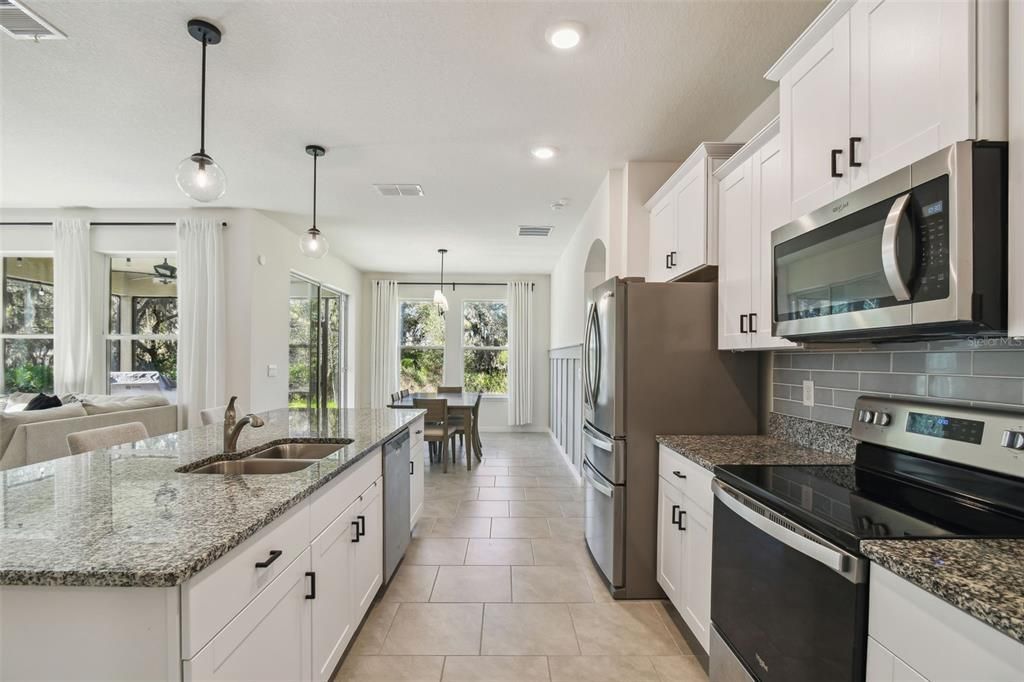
(712, 451)
(125, 516)
(982, 577)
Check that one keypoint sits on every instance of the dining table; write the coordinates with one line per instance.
(459, 404)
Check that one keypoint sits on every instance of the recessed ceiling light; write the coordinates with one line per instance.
(544, 153)
(565, 35)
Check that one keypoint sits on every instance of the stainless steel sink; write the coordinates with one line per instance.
(253, 465)
(300, 450)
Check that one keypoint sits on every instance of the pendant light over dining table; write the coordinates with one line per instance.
(439, 298)
(198, 175)
(314, 243)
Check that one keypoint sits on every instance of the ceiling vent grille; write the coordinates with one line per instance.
(395, 190)
(20, 23)
(535, 230)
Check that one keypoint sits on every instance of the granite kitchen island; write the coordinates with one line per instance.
(132, 566)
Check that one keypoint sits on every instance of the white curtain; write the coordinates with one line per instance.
(201, 308)
(72, 318)
(383, 342)
(520, 353)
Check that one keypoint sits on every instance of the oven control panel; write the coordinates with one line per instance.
(980, 437)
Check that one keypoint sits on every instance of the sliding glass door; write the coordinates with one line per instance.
(317, 367)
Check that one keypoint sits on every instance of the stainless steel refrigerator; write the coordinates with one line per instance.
(651, 366)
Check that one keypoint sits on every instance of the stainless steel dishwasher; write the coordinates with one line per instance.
(396, 502)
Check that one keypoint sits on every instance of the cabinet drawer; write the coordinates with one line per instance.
(327, 503)
(415, 433)
(217, 594)
(690, 478)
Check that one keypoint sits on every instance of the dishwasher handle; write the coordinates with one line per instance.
(851, 567)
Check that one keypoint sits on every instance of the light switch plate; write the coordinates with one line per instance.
(271, 370)
(808, 393)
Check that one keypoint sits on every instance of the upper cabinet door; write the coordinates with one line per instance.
(912, 82)
(771, 210)
(735, 216)
(814, 108)
(692, 227)
(662, 240)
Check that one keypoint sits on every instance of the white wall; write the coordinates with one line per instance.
(640, 180)
(257, 296)
(493, 409)
(756, 119)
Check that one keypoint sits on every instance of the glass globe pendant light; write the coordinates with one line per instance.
(198, 175)
(440, 300)
(314, 243)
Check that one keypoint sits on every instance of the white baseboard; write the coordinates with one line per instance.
(530, 428)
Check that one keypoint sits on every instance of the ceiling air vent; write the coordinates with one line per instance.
(535, 230)
(394, 190)
(20, 23)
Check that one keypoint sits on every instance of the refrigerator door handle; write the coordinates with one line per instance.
(598, 441)
(594, 483)
(586, 356)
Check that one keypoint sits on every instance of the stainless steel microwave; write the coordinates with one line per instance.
(920, 253)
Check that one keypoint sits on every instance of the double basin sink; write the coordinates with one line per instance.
(282, 458)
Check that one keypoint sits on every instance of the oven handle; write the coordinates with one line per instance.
(597, 485)
(756, 514)
(891, 246)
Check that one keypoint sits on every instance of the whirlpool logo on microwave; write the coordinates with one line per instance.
(839, 208)
(760, 661)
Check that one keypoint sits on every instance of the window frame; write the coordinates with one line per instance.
(7, 336)
(402, 346)
(464, 347)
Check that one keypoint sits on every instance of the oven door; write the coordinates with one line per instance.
(882, 257)
(786, 605)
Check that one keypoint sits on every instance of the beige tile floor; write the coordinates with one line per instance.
(497, 585)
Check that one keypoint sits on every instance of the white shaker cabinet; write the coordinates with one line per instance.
(368, 564)
(751, 204)
(417, 474)
(696, 597)
(684, 216)
(670, 547)
(334, 620)
(814, 112)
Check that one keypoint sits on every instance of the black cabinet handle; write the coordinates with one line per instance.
(675, 511)
(362, 524)
(743, 325)
(678, 474)
(854, 163)
(667, 264)
(835, 160)
(412, 468)
(312, 585)
(679, 521)
(753, 323)
(356, 538)
(274, 554)
(672, 259)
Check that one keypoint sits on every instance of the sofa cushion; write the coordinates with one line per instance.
(108, 404)
(16, 402)
(9, 421)
(43, 402)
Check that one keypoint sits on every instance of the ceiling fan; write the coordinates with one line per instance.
(163, 273)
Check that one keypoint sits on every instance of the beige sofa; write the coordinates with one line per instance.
(40, 435)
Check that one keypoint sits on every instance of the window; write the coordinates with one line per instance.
(485, 346)
(26, 337)
(422, 352)
(317, 345)
(143, 324)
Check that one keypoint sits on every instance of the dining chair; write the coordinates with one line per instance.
(436, 428)
(106, 437)
(460, 427)
(449, 389)
(212, 415)
(395, 397)
(404, 392)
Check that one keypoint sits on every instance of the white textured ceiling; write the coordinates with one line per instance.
(448, 95)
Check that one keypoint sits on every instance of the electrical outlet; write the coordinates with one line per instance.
(271, 370)
(808, 393)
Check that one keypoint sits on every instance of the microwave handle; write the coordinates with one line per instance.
(891, 248)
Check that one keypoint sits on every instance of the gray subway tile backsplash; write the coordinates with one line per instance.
(987, 371)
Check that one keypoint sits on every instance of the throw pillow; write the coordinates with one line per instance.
(43, 402)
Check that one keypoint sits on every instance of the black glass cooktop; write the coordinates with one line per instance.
(886, 495)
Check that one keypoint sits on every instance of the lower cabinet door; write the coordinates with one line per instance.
(333, 611)
(269, 640)
(670, 541)
(696, 611)
(368, 552)
(416, 483)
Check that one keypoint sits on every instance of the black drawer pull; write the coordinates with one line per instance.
(312, 585)
(853, 147)
(274, 554)
(362, 524)
(678, 474)
(835, 160)
(679, 521)
(753, 323)
(743, 323)
(356, 538)
(675, 511)
(672, 259)
(667, 263)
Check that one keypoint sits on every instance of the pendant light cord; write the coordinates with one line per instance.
(314, 192)
(202, 106)
(441, 287)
